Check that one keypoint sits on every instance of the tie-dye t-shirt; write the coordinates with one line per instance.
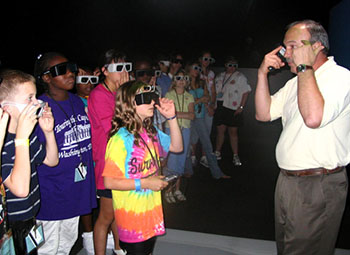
(139, 215)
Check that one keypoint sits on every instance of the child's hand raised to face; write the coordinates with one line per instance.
(46, 121)
(4, 117)
(26, 121)
(166, 107)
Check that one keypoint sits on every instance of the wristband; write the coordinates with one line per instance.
(137, 184)
(171, 118)
(19, 142)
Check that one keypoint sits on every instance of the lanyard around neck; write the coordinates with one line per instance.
(75, 129)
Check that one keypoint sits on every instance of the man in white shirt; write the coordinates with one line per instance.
(314, 146)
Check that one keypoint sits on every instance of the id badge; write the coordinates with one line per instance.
(35, 238)
(7, 246)
(80, 172)
(220, 95)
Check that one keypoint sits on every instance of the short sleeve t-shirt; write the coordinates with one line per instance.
(27, 207)
(64, 192)
(181, 105)
(198, 108)
(139, 214)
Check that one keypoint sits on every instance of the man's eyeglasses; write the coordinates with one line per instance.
(119, 67)
(232, 65)
(177, 61)
(62, 69)
(197, 68)
(85, 79)
(148, 72)
(180, 78)
(211, 60)
(146, 98)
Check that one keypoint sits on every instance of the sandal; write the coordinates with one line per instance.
(179, 196)
(169, 197)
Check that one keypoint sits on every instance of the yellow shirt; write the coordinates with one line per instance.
(181, 102)
(301, 147)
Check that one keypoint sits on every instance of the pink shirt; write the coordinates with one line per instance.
(101, 104)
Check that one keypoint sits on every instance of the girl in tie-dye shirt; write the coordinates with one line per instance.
(132, 164)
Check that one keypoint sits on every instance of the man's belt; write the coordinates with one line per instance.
(311, 172)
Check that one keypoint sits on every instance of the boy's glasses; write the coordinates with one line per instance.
(148, 72)
(62, 69)
(231, 65)
(119, 67)
(197, 68)
(211, 60)
(146, 98)
(180, 78)
(85, 79)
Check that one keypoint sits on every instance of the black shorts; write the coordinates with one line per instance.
(227, 117)
(141, 248)
(107, 193)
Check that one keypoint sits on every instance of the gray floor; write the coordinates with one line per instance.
(177, 242)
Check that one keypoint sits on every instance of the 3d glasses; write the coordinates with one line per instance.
(180, 78)
(85, 79)
(62, 69)
(148, 72)
(197, 68)
(232, 65)
(146, 94)
(177, 61)
(119, 67)
(211, 60)
(146, 98)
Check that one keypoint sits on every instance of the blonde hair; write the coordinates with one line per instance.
(173, 81)
(10, 81)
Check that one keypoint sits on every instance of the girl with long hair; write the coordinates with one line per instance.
(132, 168)
(199, 131)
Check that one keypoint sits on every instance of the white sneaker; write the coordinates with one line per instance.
(88, 242)
(179, 195)
(194, 160)
(119, 252)
(217, 155)
(204, 161)
(110, 241)
(236, 160)
(169, 197)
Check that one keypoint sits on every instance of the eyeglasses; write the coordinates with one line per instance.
(165, 62)
(146, 98)
(148, 72)
(177, 61)
(119, 67)
(180, 78)
(232, 65)
(211, 60)
(85, 79)
(62, 69)
(146, 89)
(197, 68)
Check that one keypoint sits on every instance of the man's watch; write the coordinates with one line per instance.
(303, 68)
